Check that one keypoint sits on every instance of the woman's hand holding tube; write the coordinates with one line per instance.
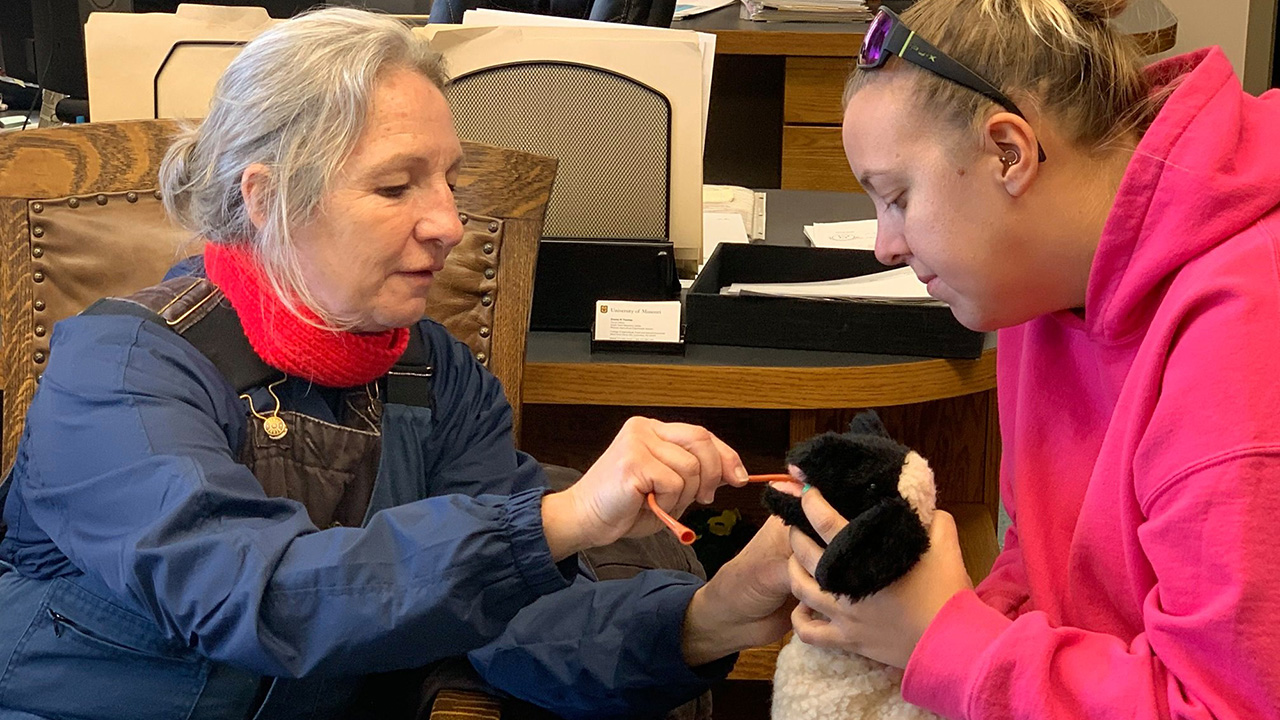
(678, 463)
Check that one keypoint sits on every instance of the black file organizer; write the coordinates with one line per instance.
(573, 274)
(797, 323)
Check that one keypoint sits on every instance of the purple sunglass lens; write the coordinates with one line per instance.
(873, 44)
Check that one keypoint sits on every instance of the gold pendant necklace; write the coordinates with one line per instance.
(273, 425)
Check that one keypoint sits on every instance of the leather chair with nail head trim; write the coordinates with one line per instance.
(80, 219)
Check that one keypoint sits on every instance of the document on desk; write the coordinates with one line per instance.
(163, 65)
(806, 10)
(899, 285)
(689, 8)
(721, 227)
(848, 235)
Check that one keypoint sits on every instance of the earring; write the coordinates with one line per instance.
(1010, 158)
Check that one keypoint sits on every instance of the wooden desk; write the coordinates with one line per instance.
(777, 90)
(561, 370)
(762, 400)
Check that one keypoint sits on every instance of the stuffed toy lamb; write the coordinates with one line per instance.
(887, 493)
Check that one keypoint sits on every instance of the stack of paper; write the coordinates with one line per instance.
(848, 235)
(899, 285)
(749, 204)
(806, 10)
(689, 8)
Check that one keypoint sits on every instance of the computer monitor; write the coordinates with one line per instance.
(17, 51)
(58, 41)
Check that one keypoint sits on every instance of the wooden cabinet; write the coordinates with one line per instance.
(812, 154)
(756, 138)
(813, 159)
(814, 87)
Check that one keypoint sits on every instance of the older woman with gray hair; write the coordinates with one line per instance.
(168, 557)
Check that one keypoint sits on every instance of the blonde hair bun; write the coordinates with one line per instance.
(1099, 9)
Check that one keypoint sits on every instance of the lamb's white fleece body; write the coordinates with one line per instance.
(812, 683)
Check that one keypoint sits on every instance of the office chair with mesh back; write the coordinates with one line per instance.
(608, 221)
(656, 13)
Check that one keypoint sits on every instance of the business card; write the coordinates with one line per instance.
(632, 321)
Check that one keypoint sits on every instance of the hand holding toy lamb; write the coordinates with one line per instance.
(887, 493)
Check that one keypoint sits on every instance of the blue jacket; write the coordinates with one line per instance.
(139, 548)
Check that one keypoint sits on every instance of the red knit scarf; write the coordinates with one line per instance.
(284, 341)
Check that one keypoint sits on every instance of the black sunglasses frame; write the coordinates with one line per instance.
(903, 42)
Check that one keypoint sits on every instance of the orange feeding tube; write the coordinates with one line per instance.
(686, 535)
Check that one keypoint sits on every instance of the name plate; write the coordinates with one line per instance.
(637, 322)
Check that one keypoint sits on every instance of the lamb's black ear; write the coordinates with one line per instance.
(867, 422)
(874, 549)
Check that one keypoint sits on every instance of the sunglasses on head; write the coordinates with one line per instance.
(888, 35)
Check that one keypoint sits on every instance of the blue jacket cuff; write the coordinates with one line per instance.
(529, 549)
(670, 620)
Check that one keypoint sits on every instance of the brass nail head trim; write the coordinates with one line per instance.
(73, 203)
(37, 208)
(101, 199)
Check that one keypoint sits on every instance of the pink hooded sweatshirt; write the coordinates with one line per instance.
(1141, 577)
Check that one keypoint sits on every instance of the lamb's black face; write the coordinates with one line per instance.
(858, 474)
(853, 475)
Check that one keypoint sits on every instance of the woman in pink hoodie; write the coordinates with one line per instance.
(1120, 227)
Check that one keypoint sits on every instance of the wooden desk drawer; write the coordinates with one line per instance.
(813, 159)
(814, 87)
